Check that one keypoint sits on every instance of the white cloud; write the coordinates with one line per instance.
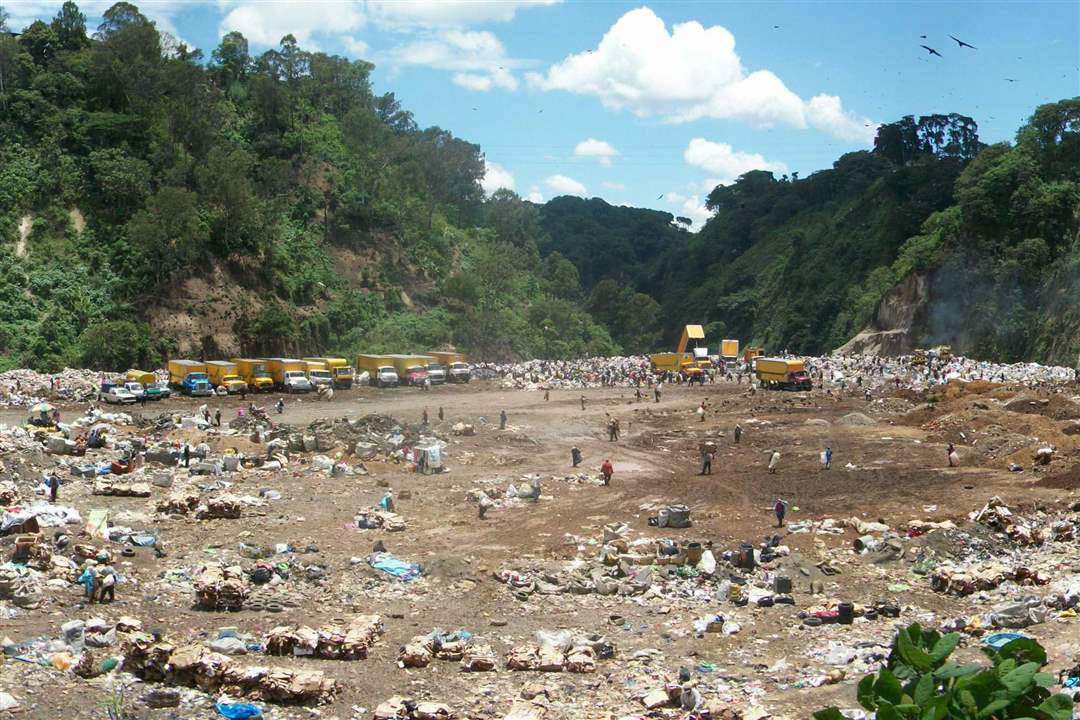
(689, 73)
(689, 206)
(725, 162)
(477, 58)
(613, 185)
(265, 23)
(354, 47)
(562, 185)
(599, 149)
(496, 177)
(535, 195)
(447, 13)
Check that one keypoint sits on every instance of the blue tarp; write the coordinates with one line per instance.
(398, 568)
(238, 711)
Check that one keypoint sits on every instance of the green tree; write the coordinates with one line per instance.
(40, 42)
(231, 60)
(115, 345)
(69, 25)
(170, 233)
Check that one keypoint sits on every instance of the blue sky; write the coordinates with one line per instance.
(652, 105)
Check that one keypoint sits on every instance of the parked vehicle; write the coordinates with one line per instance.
(436, 373)
(190, 378)
(115, 394)
(289, 374)
(159, 389)
(135, 389)
(459, 372)
(380, 369)
(782, 374)
(140, 376)
(254, 373)
(411, 369)
(339, 367)
(226, 374)
(318, 374)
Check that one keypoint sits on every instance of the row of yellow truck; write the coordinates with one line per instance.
(241, 375)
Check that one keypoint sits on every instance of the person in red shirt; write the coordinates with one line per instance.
(606, 470)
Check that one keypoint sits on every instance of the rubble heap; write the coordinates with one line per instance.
(349, 642)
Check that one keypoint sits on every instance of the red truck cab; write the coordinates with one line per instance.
(416, 375)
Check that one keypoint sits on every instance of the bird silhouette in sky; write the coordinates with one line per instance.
(1010, 79)
(660, 196)
(931, 50)
(963, 44)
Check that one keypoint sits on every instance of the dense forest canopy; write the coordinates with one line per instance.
(155, 201)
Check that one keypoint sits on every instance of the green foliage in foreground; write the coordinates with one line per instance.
(919, 682)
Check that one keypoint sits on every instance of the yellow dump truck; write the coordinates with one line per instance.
(782, 374)
(140, 376)
(752, 353)
(289, 374)
(729, 353)
(411, 369)
(224, 373)
(380, 369)
(675, 362)
(254, 373)
(339, 368)
(446, 358)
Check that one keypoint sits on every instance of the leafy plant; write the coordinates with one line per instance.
(919, 682)
(115, 704)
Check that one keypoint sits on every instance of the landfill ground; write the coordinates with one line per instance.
(892, 470)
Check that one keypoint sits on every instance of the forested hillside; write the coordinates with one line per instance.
(803, 263)
(156, 202)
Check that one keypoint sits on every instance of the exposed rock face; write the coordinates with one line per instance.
(898, 325)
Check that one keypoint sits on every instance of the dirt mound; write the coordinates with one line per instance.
(1068, 480)
(856, 418)
(1055, 407)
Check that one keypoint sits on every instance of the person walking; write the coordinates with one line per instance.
(738, 433)
(774, 460)
(953, 457)
(217, 418)
(826, 457)
(502, 420)
(701, 411)
(54, 487)
(582, 402)
(780, 508)
(186, 453)
(612, 434)
(88, 579)
(706, 462)
(656, 393)
(440, 413)
(607, 470)
(575, 456)
(547, 394)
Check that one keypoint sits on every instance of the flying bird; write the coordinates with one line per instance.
(962, 44)
(931, 50)
(1010, 80)
(923, 37)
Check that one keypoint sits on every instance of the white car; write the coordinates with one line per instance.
(296, 382)
(115, 395)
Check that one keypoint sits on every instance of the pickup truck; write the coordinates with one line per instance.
(321, 378)
(136, 389)
(158, 391)
(115, 395)
(296, 381)
(459, 373)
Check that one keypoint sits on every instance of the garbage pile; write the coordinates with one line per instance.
(1024, 531)
(218, 587)
(561, 650)
(449, 646)
(154, 660)
(23, 388)
(403, 708)
(351, 641)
